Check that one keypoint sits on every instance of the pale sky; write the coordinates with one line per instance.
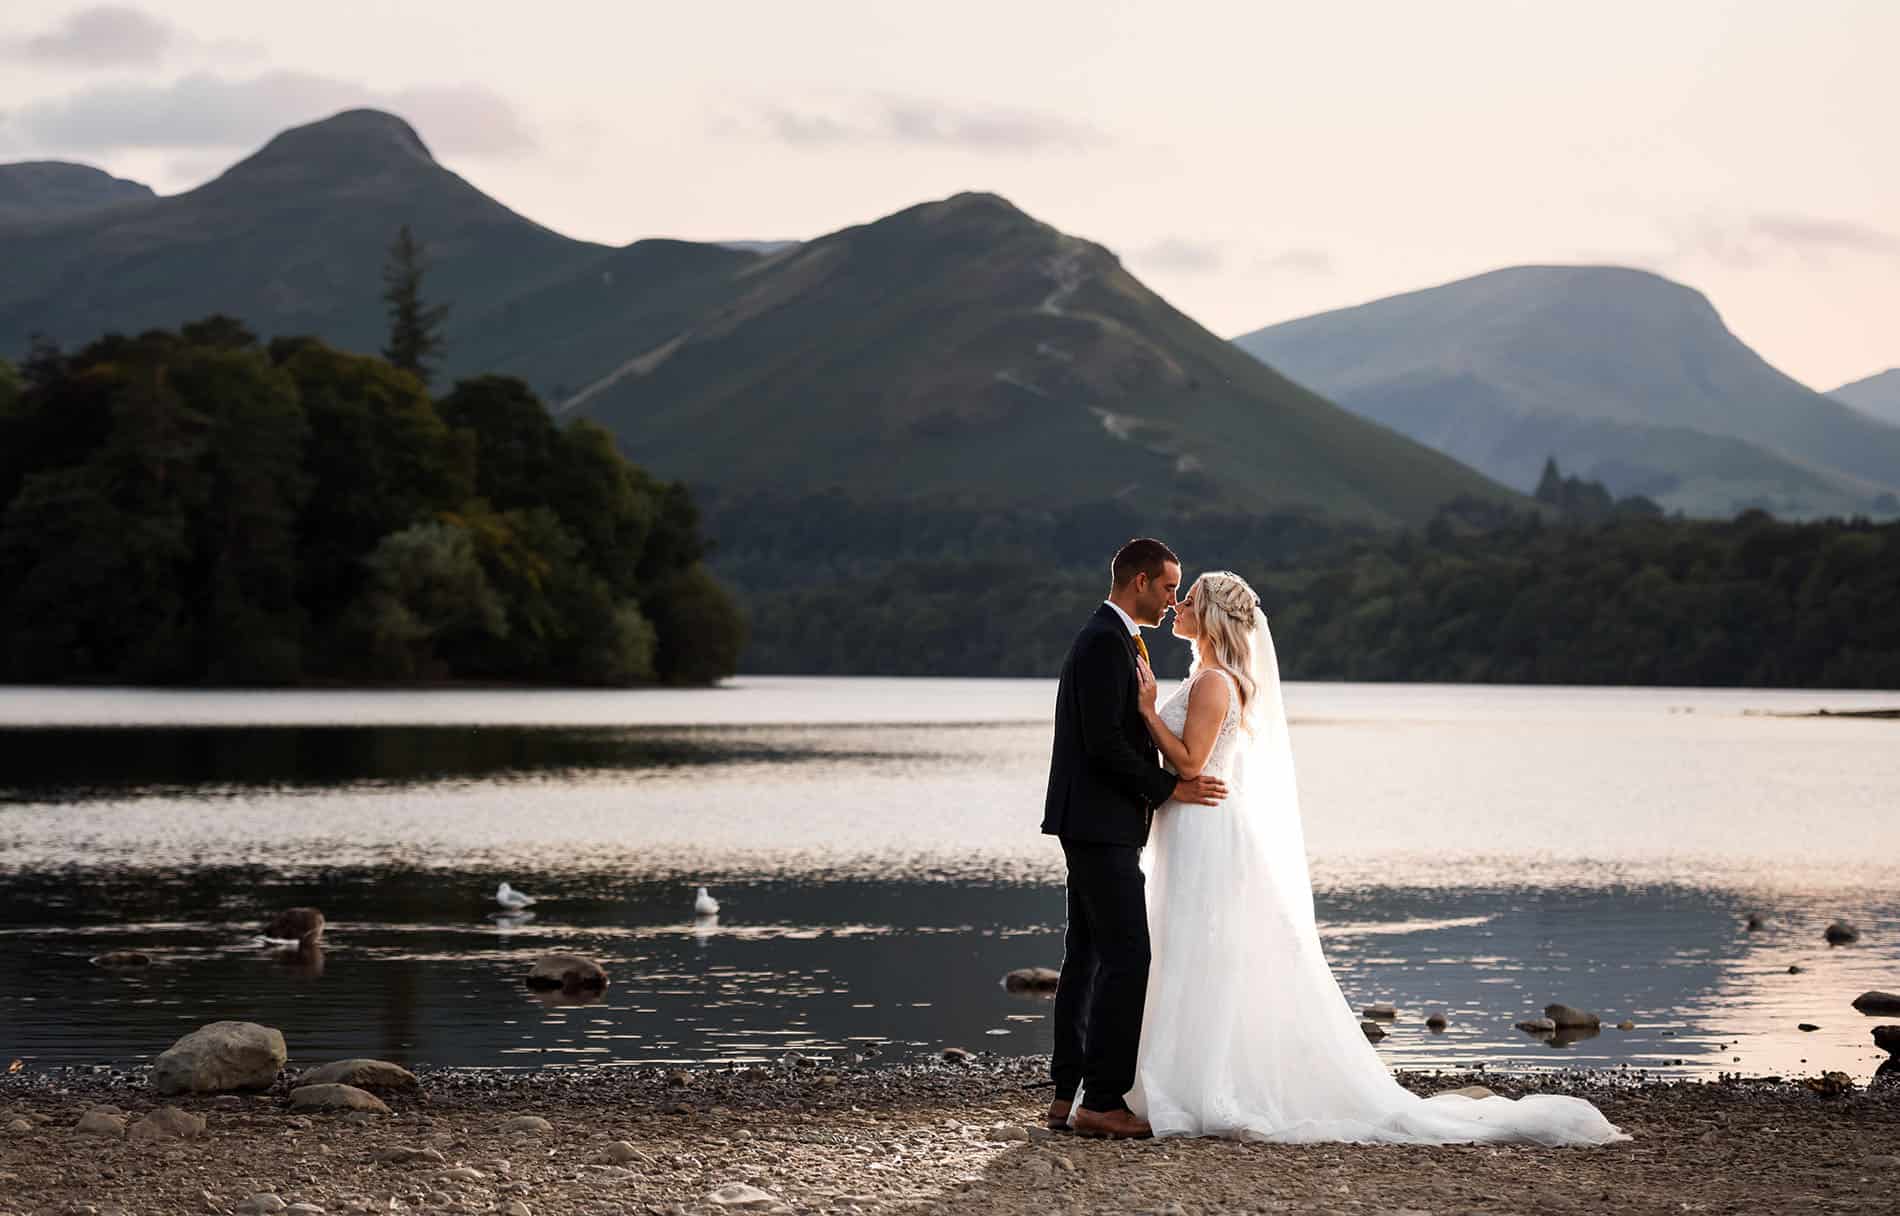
(1253, 162)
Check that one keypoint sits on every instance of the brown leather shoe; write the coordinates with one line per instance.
(1114, 1124)
(1058, 1120)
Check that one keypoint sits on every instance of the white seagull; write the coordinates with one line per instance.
(705, 905)
(512, 899)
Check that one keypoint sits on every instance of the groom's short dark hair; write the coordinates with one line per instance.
(1140, 556)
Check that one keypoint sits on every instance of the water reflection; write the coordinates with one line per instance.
(879, 873)
(825, 967)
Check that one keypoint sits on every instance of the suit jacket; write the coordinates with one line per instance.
(1105, 776)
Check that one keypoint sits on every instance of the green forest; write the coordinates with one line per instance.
(199, 507)
(1583, 591)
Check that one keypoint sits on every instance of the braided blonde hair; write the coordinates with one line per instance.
(1227, 608)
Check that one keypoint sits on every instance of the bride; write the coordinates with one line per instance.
(1246, 1033)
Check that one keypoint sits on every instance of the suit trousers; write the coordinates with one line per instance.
(1104, 980)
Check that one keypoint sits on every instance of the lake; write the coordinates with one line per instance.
(1482, 850)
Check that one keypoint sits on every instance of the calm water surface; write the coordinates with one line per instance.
(1476, 849)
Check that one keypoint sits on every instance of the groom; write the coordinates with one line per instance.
(1105, 781)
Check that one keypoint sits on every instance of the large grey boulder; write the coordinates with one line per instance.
(221, 1056)
(362, 1073)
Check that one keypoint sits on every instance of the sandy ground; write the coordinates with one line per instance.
(922, 1138)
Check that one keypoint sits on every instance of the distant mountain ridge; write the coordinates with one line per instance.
(1626, 377)
(36, 190)
(958, 350)
(1877, 396)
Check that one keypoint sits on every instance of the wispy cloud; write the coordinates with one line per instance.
(1809, 232)
(915, 121)
(107, 35)
(1301, 260)
(1180, 256)
(1753, 241)
(209, 111)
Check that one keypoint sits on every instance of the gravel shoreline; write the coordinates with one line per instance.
(930, 1137)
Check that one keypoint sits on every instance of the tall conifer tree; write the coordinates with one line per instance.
(415, 328)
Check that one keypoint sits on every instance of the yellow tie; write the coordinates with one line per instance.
(1143, 648)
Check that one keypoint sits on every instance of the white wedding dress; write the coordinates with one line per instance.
(1246, 1033)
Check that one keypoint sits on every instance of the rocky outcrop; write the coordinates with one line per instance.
(122, 958)
(304, 925)
(362, 1073)
(1878, 1004)
(567, 972)
(335, 1097)
(221, 1056)
(1032, 979)
(1840, 933)
(1566, 1018)
(1887, 1038)
(167, 1123)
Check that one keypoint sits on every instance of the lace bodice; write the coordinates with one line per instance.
(1174, 713)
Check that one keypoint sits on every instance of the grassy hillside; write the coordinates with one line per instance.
(40, 190)
(963, 351)
(1877, 396)
(1621, 374)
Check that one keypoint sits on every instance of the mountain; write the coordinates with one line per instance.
(961, 350)
(291, 239)
(958, 351)
(1625, 377)
(1878, 396)
(34, 190)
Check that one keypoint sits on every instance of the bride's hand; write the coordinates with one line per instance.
(1145, 685)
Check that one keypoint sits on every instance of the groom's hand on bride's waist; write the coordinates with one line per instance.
(1202, 790)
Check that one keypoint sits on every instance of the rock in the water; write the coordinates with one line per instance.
(958, 1055)
(101, 1121)
(1794, 968)
(1032, 979)
(568, 972)
(296, 925)
(1887, 1038)
(1373, 1030)
(168, 1123)
(220, 1056)
(1538, 1026)
(122, 958)
(1806, 1026)
(1755, 922)
(1840, 933)
(264, 1204)
(362, 1073)
(526, 1125)
(1469, 1091)
(1567, 1018)
(1437, 1019)
(1877, 1004)
(336, 1097)
(1626, 1024)
(1381, 1012)
(739, 1195)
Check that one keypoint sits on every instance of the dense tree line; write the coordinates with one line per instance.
(1482, 594)
(198, 507)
